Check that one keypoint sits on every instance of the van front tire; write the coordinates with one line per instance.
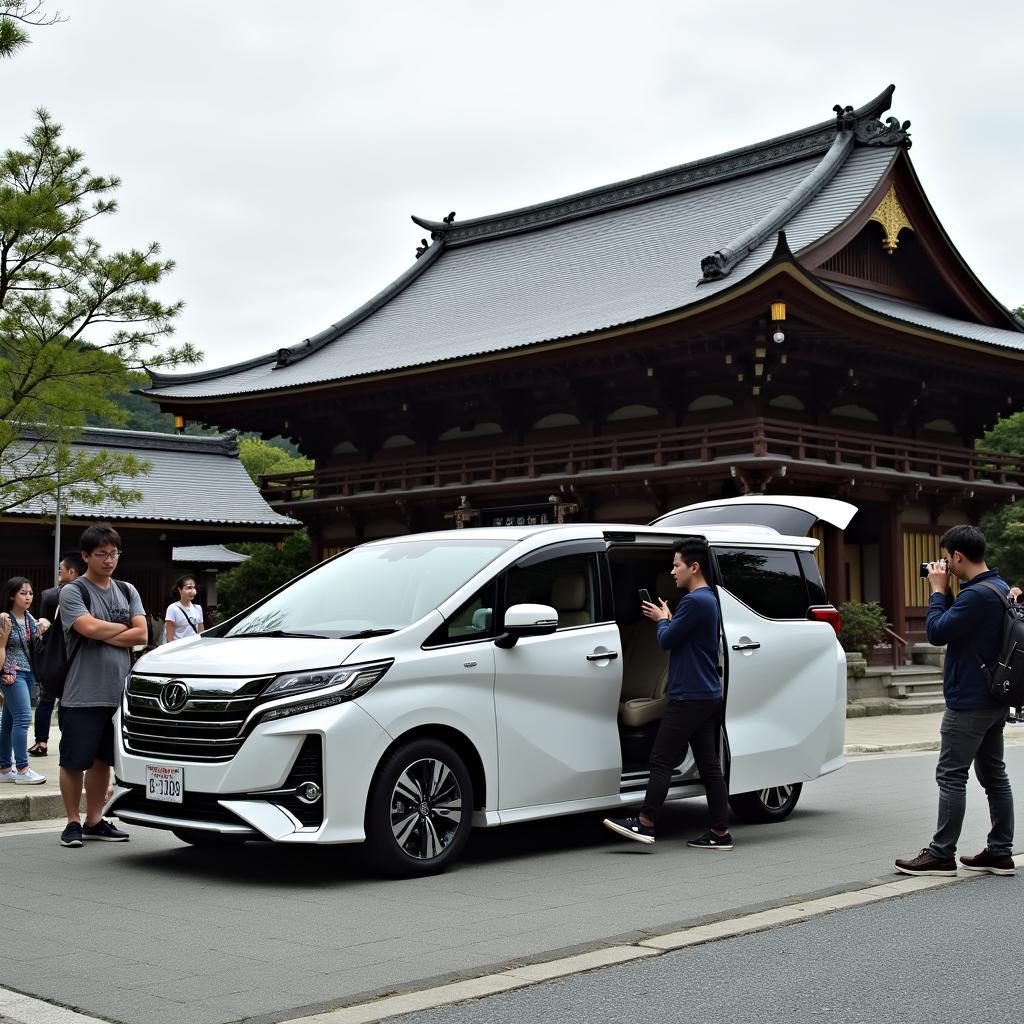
(419, 811)
(775, 803)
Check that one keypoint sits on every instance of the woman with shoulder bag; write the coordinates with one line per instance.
(19, 630)
(183, 617)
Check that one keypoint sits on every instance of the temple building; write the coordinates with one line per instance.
(789, 317)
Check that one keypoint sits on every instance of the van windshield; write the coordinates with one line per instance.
(373, 589)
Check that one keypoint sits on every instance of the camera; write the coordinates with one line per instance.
(924, 567)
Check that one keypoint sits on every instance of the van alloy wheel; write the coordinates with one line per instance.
(774, 803)
(426, 808)
(419, 811)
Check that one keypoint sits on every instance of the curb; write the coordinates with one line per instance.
(883, 748)
(32, 807)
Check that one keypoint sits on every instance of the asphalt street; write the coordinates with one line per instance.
(153, 931)
(946, 954)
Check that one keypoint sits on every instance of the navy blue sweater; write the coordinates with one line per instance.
(974, 618)
(691, 638)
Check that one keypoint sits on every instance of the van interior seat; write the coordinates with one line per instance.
(569, 599)
(644, 666)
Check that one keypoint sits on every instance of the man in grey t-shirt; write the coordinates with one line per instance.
(99, 639)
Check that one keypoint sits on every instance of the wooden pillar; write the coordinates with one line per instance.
(891, 558)
(835, 566)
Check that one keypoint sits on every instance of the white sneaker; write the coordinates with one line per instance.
(8, 776)
(29, 777)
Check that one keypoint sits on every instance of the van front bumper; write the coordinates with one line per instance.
(264, 791)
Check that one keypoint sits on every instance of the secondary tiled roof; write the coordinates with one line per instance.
(206, 554)
(922, 317)
(614, 256)
(192, 480)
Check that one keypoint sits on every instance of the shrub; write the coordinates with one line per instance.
(863, 626)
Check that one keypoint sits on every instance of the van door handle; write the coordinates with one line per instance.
(753, 646)
(603, 656)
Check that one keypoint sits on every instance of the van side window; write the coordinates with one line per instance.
(770, 582)
(815, 587)
(473, 621)
(566, 583)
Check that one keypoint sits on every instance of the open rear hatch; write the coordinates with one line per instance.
(791, 515)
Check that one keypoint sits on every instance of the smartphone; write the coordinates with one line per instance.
(645, 595)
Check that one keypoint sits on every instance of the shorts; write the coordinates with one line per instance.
(86, 735)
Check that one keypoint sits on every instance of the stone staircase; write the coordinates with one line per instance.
(914, 689)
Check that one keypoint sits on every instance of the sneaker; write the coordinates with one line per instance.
(711, 841)
(72, 834)
(10, 775)
(29, 777)
(38, 750)
(925, 864)
(105, 832)
(993, 863)
(631, 828)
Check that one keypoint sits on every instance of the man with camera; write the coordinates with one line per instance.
(971, 627)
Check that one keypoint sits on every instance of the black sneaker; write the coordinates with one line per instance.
(631, 828)
(711, 841)
(104, 831)
(72, 834)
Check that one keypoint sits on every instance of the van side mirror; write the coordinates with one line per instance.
(527, 620)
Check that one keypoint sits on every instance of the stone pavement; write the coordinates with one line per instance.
(35, 803)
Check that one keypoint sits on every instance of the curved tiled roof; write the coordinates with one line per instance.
(603, 259)
(192, 480)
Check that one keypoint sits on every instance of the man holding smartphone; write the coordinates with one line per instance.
(694, 710)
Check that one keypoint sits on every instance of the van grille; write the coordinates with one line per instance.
(206, 728)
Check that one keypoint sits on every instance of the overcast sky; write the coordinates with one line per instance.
(276, 150)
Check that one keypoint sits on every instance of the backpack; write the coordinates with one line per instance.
(1006, 679)
(51, 657)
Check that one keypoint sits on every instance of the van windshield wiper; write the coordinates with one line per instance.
(279, 632)
(364, 634)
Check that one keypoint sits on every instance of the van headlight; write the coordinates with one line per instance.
(294, 693)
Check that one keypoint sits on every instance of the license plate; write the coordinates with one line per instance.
(165, 783)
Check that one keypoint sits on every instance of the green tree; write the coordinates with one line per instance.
(1004, 528)
(14, 14)
(76, 324)
(262, 457)
(268, 568)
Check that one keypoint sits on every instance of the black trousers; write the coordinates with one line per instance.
(693, 724)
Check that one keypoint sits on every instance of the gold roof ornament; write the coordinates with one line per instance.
(893, 218)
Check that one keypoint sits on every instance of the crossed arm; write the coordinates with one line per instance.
(114, 633)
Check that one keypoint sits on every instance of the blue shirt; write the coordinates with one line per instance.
(691, 638)
(973, 620)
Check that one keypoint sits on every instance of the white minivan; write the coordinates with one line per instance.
(409, 689)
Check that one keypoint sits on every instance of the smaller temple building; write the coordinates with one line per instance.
(787, 317)
(196, 497)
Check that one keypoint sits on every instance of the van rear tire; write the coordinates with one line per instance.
(774, 803)
(419, 812)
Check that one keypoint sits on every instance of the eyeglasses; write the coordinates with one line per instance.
(107, 556)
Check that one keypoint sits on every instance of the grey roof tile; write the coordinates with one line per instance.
(206, 554)
(192, 480)
(911, 314)
(599, 271)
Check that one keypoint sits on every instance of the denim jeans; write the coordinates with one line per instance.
(972, 735)
(15, 720)
(693, 724)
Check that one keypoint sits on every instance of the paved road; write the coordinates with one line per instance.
(156, 932)
(947, 954)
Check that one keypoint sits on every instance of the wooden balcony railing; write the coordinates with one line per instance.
(615, 456)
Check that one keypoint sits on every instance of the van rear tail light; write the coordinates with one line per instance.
(826, 613)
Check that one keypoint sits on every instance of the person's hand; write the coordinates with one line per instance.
(1014, 593)
(43, 624)
(938, 576)
(7, 678)
(5, 626)
(656, 612)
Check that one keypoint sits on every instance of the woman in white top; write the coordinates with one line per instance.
(183, 618)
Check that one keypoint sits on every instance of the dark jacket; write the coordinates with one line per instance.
(691, 638)
(48, 603)
(973, 620)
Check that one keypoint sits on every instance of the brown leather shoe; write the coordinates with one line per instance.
(925, 864)
(993, 863)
